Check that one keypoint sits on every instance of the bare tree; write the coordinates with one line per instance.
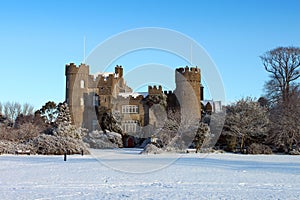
(285, 124)
(12, 110)
(272, 92)
(283, 64)
(178, 133)
(27, 109)
(25, 132)
(282, 91)
(169, 131)
(246, 121)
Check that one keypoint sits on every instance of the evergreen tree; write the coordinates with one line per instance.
(64, 125)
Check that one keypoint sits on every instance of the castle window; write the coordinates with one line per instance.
(81, 101)
(95, 100)
(68, 84)
(82, 84)
(130, 109)
(130, 126)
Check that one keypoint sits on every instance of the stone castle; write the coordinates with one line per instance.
(85, 93)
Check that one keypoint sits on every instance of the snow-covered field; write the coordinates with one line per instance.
(124, 174)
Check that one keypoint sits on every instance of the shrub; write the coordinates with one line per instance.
(56, 145)
(151, 149)
(259, 149)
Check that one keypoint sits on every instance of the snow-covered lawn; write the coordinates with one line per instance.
(124, 174)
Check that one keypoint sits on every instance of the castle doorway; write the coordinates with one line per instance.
(130, 142)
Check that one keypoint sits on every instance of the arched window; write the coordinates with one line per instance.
(82, 84)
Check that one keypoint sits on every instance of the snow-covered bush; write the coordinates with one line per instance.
(169, 132)
(201, 139)
(23, 133)
(63, 126)
(151, 149)
(108, 120)
(27, 131)
(11, 147)
(175, 145)
(45, 144)
(57, 145)
(27, 135)
(246, 122)
(100, 140)
(65, 130)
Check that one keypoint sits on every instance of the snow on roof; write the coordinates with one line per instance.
(127, 94)
(105, 74)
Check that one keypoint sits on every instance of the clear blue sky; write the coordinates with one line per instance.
(39, 37)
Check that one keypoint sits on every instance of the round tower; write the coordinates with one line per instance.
(188, 91)
(76, 90)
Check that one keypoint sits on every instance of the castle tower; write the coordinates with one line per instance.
(119, 71)
(155, 90)
(76, 90)
(188, 92)
(119, 81)
(156, 110)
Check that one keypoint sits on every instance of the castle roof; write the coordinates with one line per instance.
(133, 94)
(105, 74)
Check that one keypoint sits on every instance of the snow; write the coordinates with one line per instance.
(105, 74)
(127, 94)
(126, 174)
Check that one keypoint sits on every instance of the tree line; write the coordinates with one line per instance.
(11, 110)
(271, 123)
(47, 130)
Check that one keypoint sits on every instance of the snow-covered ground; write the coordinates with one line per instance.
(124, 174)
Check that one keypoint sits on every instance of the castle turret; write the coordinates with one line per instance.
(119, 71)
(155, 90)
(76, 87)
(188, 91)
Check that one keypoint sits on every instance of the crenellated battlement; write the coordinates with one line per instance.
(192, 74)
(106, 79)
(73, 69)
(169, 92)
(129, 100)
(153, 90)
(187, 70)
